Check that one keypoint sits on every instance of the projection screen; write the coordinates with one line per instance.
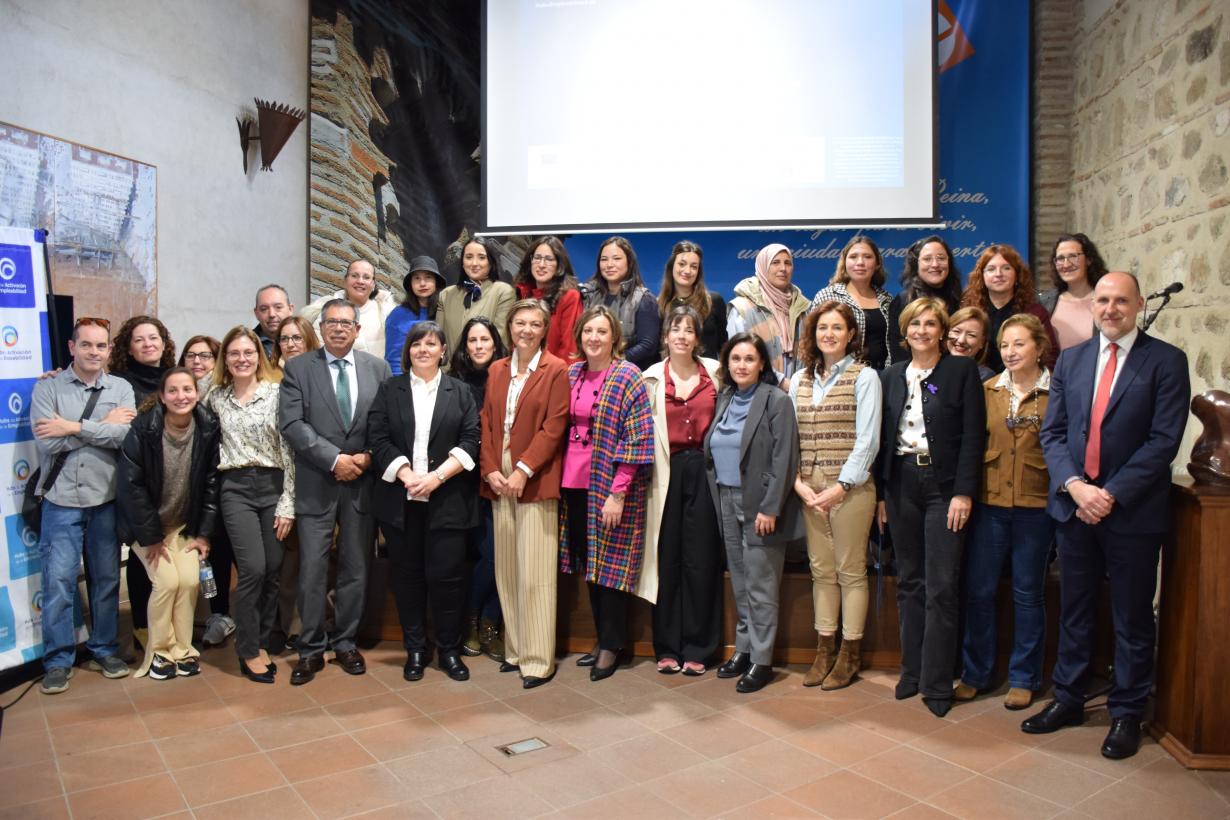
(657, 114)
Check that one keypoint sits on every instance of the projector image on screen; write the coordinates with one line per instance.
(600, 114)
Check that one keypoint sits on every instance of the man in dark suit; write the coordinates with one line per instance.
(323, 414)
(1118, 407)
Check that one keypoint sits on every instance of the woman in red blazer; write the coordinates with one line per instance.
(523, 421)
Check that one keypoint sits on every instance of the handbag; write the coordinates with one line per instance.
(32, 498)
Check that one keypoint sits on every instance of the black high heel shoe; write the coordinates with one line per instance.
(597, 673)
(256, 677)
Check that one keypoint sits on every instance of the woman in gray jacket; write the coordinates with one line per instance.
(752, 458)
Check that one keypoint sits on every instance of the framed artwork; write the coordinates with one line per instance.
(100, 213)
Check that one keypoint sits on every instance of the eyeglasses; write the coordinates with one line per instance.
(539, 259)
(291, 340)
(933, 260)
(236, 355)
(1068, 259)
(1013, 422)
(92, 320)
(345, 324)
(198, 357)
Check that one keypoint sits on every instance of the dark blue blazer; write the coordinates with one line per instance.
(1141, 431)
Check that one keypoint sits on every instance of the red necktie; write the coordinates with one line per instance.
(1093, 445)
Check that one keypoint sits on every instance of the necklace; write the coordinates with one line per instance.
(574, 430)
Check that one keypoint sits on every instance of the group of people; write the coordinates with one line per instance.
(499, 433)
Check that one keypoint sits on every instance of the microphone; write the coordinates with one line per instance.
(1169, 290)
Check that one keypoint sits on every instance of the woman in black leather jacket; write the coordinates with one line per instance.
(167, 500)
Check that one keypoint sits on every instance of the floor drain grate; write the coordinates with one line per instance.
(530, 744)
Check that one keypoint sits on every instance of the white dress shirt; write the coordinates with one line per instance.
(911, 431)
(1125, 347)
(515, 386)
(352, 376)
(423, 397)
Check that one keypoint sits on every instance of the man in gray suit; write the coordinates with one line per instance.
(323, 415)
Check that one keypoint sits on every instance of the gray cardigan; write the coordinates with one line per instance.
(769, 462)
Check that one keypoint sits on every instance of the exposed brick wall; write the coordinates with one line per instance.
(1151, 149)
(1052, 126)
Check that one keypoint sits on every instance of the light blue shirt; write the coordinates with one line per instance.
(727, 438)
(868, 408)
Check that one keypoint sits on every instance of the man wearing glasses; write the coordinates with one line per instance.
(273, 306)
(80, 417)
(323, 414)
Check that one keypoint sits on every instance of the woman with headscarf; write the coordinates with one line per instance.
(770, 306)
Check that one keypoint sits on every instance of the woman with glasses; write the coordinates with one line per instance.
(480, 291)
(257, 479)
(1002, 285)
(1011, 525)
(1076, 266)
(374, 303)
(296, 335)
(967, 336)
(932, 439)
(930, 270)
(199, 357)
(546, 274)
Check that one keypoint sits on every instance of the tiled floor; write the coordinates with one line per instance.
(637, 745)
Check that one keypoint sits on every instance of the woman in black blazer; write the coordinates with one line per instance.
(423, 433)
(929, 468)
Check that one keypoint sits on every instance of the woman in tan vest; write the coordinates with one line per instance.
(1011, 525)
(837, 400)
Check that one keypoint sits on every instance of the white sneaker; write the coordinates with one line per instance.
(217, 629)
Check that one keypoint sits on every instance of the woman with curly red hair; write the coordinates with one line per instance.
(1002, 285)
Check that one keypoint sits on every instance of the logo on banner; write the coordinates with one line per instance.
(21, 469)
(954, 46)
(16, 277)
(14, 411)
(9, 336)
(8, 624)
(22, 546)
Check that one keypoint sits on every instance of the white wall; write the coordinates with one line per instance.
(162, 82)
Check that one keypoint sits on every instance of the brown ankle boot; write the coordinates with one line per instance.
(846, 668)
(826, 654)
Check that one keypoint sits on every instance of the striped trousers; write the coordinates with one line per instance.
(526, 569)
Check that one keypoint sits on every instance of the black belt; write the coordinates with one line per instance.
(917, 459)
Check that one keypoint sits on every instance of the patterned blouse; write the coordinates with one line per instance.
(251, 438)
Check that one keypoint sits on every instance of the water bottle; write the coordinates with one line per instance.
(209, 587)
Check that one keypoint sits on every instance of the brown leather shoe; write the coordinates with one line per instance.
(826, 656)
(964, 692)
(1018, 698)
(849, 659)
(306, 669)
(351, 661)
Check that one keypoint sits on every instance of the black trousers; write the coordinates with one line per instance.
(928, 573)
(428, 563)
(139, 590)
(1086, 553)
(687, 619)
(609, 606)
(222, 559)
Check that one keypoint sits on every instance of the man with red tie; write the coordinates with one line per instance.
(1118, 407)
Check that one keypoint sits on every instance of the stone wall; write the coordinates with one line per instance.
(347, 166)
(1150, 150)
(1052, 97)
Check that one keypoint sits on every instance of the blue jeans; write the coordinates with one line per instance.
(66, 531)
(1023, 536)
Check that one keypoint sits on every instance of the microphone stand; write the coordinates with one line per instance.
(1152, 317)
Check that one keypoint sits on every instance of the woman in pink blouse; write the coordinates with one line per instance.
(605, 478)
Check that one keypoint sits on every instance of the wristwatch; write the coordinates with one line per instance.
(440, 476)
(845, 485)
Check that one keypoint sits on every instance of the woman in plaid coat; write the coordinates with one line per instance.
(607, 463)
